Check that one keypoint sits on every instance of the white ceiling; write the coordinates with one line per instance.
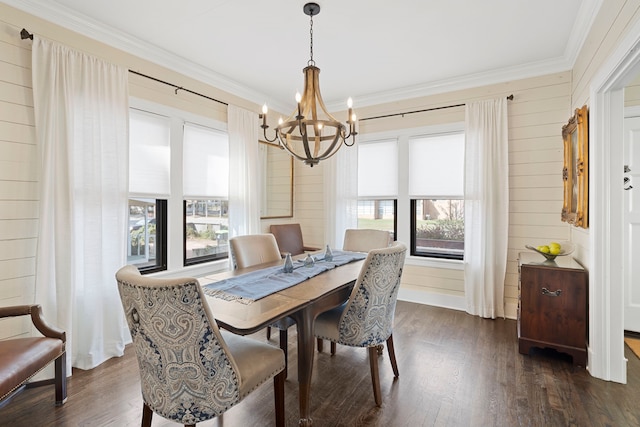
(372, 50)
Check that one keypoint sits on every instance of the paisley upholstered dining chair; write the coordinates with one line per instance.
(190, 371)
(254, 249)
(361, 240)
(366, 319)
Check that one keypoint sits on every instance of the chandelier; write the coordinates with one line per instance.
(311, 133)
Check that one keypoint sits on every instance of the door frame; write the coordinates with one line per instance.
(606, 292)
(630, 113)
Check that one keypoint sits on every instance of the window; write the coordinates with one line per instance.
(206, 192)
(149, 156)
(206, 230)
(146, 247)
(436, 192)
(378, 185)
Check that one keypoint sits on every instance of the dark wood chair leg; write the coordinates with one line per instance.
(61, 379)
(147, 414)
(268, 333)
(278, 390)
(320, 345)
(284, 345)
(375, 378)
(392, 356)
(333, 348)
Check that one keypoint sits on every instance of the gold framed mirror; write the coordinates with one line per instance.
(276, 180)
(575, 172)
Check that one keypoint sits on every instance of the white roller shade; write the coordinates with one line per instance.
(205, 163)
(378, 169)
(149, 153)
(436, 166)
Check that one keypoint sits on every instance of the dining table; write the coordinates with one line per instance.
(302, 302)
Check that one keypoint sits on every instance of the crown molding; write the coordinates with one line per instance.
(469, 81)
(67, 18)
(71, 20)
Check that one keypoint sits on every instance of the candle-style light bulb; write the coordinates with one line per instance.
(264, 116)
(349, 104)
(298, 99)
(280, 121)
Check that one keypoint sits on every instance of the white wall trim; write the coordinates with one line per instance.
(432, 298)
(606, 294)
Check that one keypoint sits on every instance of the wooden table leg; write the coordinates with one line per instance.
(304, 320)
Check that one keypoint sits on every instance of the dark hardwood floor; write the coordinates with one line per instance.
(455, 370)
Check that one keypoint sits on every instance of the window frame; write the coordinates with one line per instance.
(403, 210)
(160, 263)
(198, 259)
(172, 251)
(413, 249)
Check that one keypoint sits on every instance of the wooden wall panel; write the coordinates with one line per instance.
(18, 178)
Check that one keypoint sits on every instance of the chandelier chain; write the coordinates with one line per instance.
(311, 61)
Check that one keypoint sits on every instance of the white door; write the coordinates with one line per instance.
(632, 224)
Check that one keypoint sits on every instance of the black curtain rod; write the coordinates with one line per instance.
(24, 34)
(510, 98)
(177, 88)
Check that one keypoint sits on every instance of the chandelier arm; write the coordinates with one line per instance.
(264, 132)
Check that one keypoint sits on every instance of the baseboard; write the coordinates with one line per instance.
(446, 301)
(432, 298)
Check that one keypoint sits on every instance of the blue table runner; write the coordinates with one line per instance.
(258, 284)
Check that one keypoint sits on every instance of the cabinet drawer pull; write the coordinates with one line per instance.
(548, 293)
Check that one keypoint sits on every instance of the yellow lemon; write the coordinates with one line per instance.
(544, 249)
(554, 250)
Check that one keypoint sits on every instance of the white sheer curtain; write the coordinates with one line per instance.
(244, 172)
(340, 195)
(81, 116)
(486, 206)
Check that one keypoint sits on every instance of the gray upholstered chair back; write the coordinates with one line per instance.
(186, 371)
(253, 249)
(365, 239)
(367, 319)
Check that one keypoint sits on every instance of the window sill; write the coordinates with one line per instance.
(449, 264)
(196, 270)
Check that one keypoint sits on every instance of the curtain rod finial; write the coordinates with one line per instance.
(510, 97)
(24, 34)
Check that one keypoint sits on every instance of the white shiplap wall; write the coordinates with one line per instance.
(536, 116)
(18, 179)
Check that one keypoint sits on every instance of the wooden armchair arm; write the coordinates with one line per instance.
(35, 310)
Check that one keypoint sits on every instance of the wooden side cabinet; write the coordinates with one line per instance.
(552, 311)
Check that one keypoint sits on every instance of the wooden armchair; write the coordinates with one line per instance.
(289, 238)
(22, 358)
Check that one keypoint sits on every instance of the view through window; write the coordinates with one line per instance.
(206, 229)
